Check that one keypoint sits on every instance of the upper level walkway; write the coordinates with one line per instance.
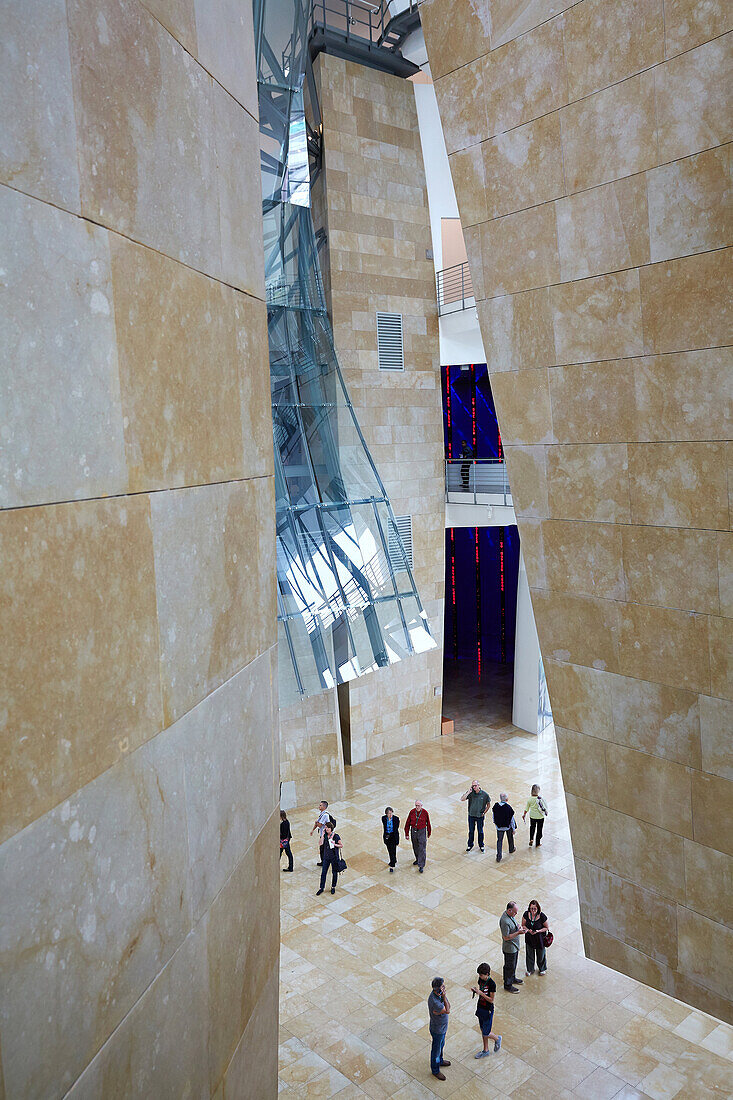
(477, 493)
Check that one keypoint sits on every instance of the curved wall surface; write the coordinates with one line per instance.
(588, 149)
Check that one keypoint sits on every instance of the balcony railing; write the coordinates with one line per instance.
(455, 289)
(477, 481)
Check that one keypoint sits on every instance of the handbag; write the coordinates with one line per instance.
(342, 865)
(547, 938)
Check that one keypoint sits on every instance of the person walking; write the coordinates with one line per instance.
(332, 845)
(534, 922)
(537, 809)
(510, 933)
(417, 827)
(504, 821)
(478, 805)
(439, 1011)
(465, 466)
(485, 990)
(391, 835)
(320, 823)
(285, 838)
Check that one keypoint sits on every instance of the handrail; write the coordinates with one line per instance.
(454, 288)
(477, 477)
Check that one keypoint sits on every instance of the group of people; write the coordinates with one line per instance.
(504, 818)
(537, 937)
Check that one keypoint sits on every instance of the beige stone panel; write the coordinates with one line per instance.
(509, 265)
(721, 657)
(462, 106)
(593, 403)
(225, 742)
(703, 868)
(78, 662)
(665, 646)
(178, 17)
(584, 558)
(523, 167)
(60, 416)
(472, 239)
(689, 23)
(240, 198)
(525, 78)
(580, 698)
(692, 105)
(712, 804)
(603, 229)
(674, 486)
(618, 956)
(173, 1012)
(657, 719)
(597, 319)
(609, 40)
(577, 629)
(716, 724)
(725, 573)
(38, 153)
(583, 764)
(533, 552)
(469, 37)
(650, 789)
(467, 170)
(214, 574)
(589, 482)
(523, 406)
(672, 567)
(517, 330)
(684, 397)
(686, 304)
(510, 18)
(637, 851)
(145, 132)
(252, 1071)
(179, 370)
(701, 940)
(711, 1003)
(80, 948)
(226, 48)
(642, 919)
(242, 947)
(610, 134)
(690, 205)
(527, 472)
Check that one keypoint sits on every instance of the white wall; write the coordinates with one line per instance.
(441, 196)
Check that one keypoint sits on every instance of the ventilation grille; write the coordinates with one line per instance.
(389, 341)
(400, 549)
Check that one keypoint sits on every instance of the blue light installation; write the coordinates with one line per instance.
(347, 601)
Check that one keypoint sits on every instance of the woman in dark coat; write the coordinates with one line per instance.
(285, 838)
(391, 835)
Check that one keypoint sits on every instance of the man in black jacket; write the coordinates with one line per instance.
(503, 819)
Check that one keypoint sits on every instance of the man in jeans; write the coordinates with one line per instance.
(503, 818)
(320, 823)
(478, 804)
(439, 1009)
(510, 933)
(418, 822)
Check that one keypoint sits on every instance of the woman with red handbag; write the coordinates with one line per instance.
(536, 938)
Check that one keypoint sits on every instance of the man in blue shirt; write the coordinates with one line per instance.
(439, 1009)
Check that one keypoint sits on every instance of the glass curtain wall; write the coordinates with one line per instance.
(347, 601)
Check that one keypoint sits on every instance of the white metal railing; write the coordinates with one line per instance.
(476, 477)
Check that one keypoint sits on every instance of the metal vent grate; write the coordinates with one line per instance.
(389, 341)
(400, 548)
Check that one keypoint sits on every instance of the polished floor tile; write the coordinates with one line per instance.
(356, 967)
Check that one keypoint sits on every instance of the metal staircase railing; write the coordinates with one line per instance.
(454, 288)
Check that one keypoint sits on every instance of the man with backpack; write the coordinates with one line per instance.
(323, 819)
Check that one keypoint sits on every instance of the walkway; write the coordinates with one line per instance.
(356, 968)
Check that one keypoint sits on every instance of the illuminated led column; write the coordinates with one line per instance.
(525, 704)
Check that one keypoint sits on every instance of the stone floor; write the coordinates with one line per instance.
(356, 968)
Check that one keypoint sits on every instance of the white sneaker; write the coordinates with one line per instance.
(528, 973)
(542, 973)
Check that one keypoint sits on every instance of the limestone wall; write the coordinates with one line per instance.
(138, 703)
(588, 149)
(372, 201)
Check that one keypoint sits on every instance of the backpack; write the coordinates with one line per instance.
(332, 820)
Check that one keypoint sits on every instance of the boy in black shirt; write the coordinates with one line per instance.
(485, 1008)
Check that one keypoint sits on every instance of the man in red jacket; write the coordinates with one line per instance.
(418, 823)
